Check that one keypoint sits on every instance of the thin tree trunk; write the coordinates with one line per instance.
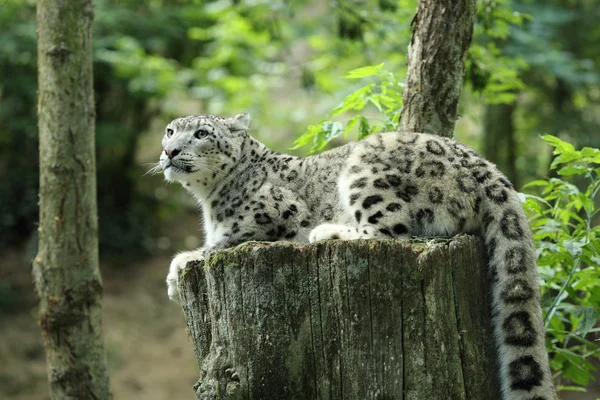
(561, 95)
(342, 320)
(511, 148)
(499, 144)
(65, 271)
(442, 34)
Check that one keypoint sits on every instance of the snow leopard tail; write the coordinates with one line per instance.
(516, 310)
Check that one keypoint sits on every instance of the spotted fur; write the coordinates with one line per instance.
(389, 185)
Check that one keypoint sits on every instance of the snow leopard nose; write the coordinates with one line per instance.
(172, 152)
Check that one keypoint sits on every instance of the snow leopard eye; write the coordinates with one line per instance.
(169, 132)
(200, 133)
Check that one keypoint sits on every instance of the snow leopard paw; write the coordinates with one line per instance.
(333, 231)
(179, 262)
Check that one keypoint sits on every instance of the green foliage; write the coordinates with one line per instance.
(490, 71)
(568, 246)
(18, 133)
(221, 48)
(383, 94)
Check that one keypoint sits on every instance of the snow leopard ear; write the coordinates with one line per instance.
(238, 123)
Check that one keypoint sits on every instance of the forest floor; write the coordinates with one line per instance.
(149, 355)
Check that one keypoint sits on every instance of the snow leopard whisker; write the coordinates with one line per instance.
(155, 168)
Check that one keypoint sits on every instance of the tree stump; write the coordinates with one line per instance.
(365, 319)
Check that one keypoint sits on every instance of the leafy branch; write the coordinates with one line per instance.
(382, 94)
(569, 258)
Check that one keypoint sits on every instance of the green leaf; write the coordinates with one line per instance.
(353, 121)
(578, 370)
(537, 183)
(354, 101)
(589, 317)
(375, 101)
(396, 117)
(558, 144)
(565, 157)
(572, 170)
(569, 189)
(551, 226)
(307, 137)
(363, 72)
(363, 128)
(590, 152)
(574, 247)
(332, 129)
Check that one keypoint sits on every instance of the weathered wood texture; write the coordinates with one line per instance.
(65, 271)
(442, 31)
(342, 320)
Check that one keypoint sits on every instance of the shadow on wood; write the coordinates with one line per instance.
(361, 319)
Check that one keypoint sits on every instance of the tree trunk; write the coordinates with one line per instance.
(65, 271)
(436, 65)
(499, 134)
(342, 320)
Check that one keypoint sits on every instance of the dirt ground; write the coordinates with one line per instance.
(149, 355)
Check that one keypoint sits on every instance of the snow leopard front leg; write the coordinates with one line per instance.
(272, 214)
(178, 263)
(181, 260)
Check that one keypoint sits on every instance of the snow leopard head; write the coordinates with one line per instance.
(198, 150)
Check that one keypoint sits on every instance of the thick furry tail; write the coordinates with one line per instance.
(516, 310)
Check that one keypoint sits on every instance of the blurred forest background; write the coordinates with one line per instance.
(533, 68)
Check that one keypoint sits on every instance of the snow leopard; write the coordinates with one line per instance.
(388, 185)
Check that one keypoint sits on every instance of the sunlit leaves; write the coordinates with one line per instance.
(383, 95)
(355, 101)
(364, 72)
(580, 162)
(319, 135)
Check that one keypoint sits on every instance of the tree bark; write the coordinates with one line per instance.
(342, 320)
(65, 271)
(436, 65)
